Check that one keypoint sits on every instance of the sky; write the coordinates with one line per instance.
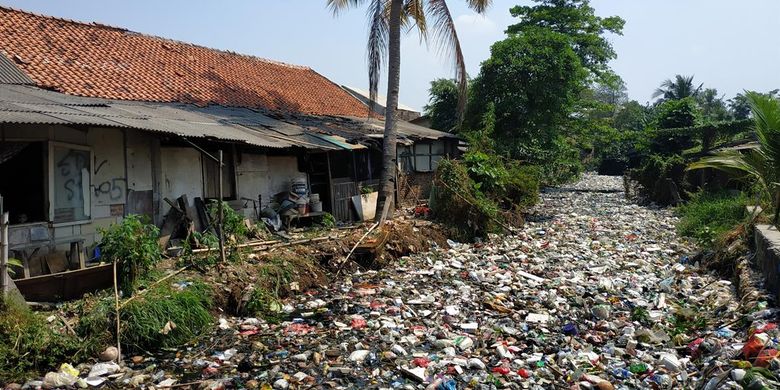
(730, 45)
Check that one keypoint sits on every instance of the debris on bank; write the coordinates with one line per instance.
(594, 292)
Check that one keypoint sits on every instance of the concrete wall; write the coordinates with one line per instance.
(182, 174)
(107, 190)
(767, 242)
(260, 174)
(130, 172)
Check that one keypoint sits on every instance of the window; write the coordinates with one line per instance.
(211, 176)
(69, 183)
(426, 156)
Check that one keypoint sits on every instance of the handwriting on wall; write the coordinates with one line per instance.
(112, 188)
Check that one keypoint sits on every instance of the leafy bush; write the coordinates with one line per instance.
(143, 321)
(233, 222)
(29, 346)
(707, 216)
(655, 175)
(133, 244)
(457, 202)
(505, 182)
(201, 261)
(522, 185)
(328, 220)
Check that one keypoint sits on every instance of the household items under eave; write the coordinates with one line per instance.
(190, 224)
(288, 206)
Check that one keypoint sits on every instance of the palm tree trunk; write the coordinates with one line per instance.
(386, 203)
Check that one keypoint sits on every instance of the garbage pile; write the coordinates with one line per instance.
(593, 293)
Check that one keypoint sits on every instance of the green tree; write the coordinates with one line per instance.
(739, 106)
(761, 164)
(532, 80)
(386, 19)
(679, 88)
(713, 108)
(442, 107)
(631, 116)
(577, 20)
(672, 114)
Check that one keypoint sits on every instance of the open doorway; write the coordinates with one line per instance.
(23, 181)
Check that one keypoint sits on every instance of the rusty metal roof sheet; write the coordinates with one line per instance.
(11, 74)
(31, 105)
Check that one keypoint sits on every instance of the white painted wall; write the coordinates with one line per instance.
(182, 173)
(252, 180)
(139, 161)
(108, 170)
(264, 175)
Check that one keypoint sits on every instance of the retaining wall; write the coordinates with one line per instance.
(767, 242)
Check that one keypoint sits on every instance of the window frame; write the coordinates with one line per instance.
(88, 199)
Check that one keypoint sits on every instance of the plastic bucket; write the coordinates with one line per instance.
(299, 186)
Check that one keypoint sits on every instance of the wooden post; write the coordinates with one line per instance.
(221, 213)
(116, 312)
(4, 254)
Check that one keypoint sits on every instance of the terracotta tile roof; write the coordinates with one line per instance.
(108, 62)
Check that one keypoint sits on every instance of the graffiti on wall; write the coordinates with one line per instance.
(107, 188)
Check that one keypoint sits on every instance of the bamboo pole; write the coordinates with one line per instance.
(221, 213)
(116, 307)
(166, 277)
(4, 254)
(344, 262)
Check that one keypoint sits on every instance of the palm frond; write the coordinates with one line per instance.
(445, 37)
(733, 163)
(338, 6)
(377, 48)
(414, 16)
(766, 118)
(479, 6)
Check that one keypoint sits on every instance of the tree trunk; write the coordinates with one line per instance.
(386, 203)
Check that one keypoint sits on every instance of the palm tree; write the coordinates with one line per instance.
(760, 164)
(386, 18)
(682, 87)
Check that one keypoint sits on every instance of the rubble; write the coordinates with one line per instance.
(593, 292)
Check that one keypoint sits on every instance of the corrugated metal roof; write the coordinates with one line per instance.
(32, 105)
(11, 74)
(340, 142)
(27, 104)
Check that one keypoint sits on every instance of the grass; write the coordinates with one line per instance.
(275, 275)
(30, 346)
(707, 217)
(143, 320)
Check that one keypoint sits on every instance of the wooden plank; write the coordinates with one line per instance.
(172, 221)
(203, 215)
(65, 285)
(57, 262)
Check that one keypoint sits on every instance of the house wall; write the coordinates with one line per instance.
(260, 174)
(107, 190)
(182, 174)
(142, 168)
(131, 173)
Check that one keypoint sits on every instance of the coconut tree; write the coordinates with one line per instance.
(679, 88)
(386, 18)
(761, 163)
